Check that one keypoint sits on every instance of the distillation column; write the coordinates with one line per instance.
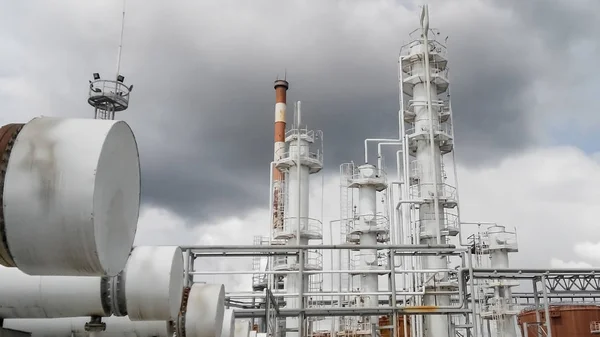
(370, 229)
(428, 138)
(498, 243)
(298, 163)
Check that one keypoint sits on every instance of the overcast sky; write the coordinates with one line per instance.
(523, 83)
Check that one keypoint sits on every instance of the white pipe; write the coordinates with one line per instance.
(67, 327)
(153, 283)
(25, 296)
(270, 280)
(204, 318)
(380, 155)
(375, 140)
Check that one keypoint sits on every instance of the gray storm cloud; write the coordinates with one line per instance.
(202, 105)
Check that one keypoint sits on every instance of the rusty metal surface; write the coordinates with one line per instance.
(281, 86)
(181, 319)
(565, 320)
(8, 134)
(386, 321)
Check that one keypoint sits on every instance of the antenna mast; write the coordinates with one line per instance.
(121, 40)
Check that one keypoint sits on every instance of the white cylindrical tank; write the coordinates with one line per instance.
(149, 289)
(26, 296)
(154, 283)
(71, 197)
(75, 327)
(228, 328)
(205, 310)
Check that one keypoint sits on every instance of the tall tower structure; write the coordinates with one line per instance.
(498, 243)
(302, 157)
(281, 87)
(427, 138)
(109, 96)
(363, 224)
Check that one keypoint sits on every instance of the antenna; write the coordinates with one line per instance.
(121, 40)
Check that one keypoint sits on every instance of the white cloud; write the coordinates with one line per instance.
(548, 194)
(558, 263)
(588, 250)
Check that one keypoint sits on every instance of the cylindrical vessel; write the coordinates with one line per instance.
(71, 196)
(75, 327)
(429, 157)
(367, 208)
(154, 283)
(26, 296)
(228, 328)
(205, 310)
(565, 320)
(149, 289)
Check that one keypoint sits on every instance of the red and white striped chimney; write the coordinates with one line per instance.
(281, 87)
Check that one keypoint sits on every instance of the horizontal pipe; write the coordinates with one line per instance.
(67, 327)
(376, 140)
(269, 272)
(258, 248)
(334, 294)
(142, 293)
(531, 273)
(359, 311)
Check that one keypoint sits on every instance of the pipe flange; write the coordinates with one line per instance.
(113, 295)
(182, 312)
(8, 136)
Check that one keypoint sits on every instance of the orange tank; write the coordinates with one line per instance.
(387, 332)
(565, 320)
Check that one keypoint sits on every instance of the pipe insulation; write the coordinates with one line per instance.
(154, 283)
(25, 296)
(150, 288)
(206, 305)
(204, 318)
(75, 326)
(228, 328)
(70, 193)
(242, 328)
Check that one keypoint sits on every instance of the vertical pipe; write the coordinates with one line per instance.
(186, 274)
(536, 300)
(333, 329)
(392, 263)
(301, 252)
(472, 284)
(546, 308)
(270, 259)
(434, 171)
